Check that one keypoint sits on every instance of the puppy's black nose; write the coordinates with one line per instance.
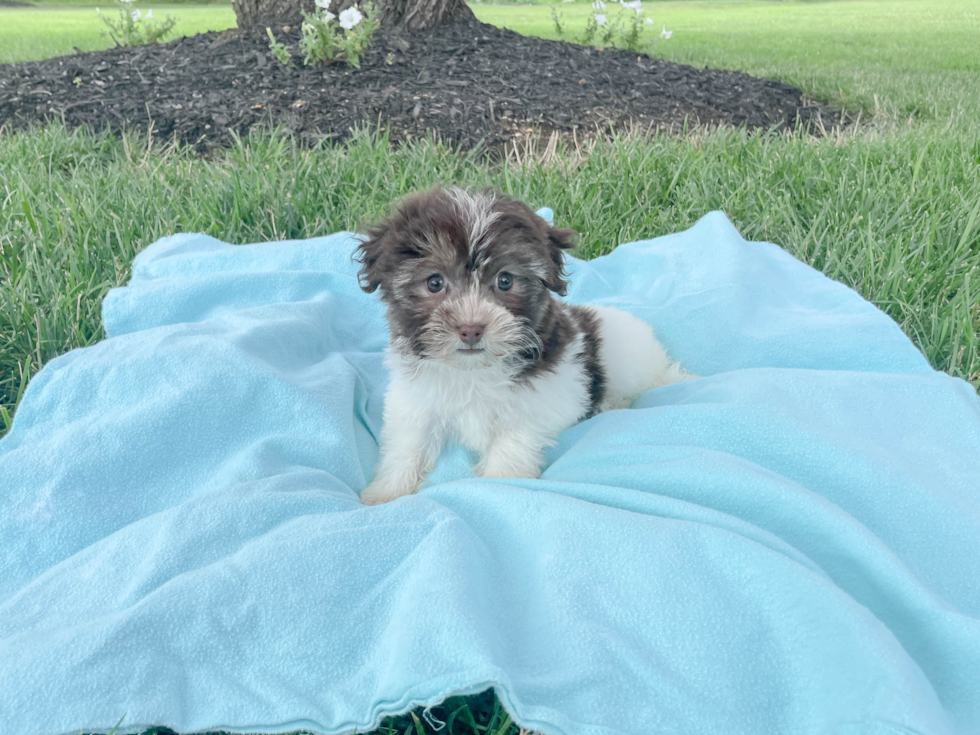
(471, 333)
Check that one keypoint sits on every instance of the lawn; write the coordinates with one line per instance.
(918, 57)
(894, 217)
(30, 34)
(891, 209)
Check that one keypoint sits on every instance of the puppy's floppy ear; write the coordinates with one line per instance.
(369, 254)
(559, 240)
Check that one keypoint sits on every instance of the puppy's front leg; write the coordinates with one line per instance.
(410, 444)
(512, 454)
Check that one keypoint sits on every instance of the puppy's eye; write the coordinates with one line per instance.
(435, 283)
(505, 281)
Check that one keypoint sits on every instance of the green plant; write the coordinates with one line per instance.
(634, 27)
(327, 37)
(592, 25)
(558, 18)
(134, 27)
(625, 31)
(279, 50)
(356, 37)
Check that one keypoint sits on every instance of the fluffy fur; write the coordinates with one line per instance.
(480, 350)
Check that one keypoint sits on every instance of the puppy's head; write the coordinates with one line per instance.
(467, 276)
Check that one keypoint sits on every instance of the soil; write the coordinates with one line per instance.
(464, 82)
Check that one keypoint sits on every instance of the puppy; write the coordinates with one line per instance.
(480, 350)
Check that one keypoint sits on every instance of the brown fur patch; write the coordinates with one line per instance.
(588, 325)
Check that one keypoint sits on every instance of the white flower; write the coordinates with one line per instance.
(350, 18)
(665, 33)
(599, 5)
(326, 16)
(600, 19)
(634, 5)
(325, 4)
(128, 1)
(149, 14)
(648, 21)
(135, 15)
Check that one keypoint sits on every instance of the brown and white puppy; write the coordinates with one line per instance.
(480, 350)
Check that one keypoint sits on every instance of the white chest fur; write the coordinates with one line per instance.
(478, 407)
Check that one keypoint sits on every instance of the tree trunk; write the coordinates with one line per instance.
(411, 15)
(420, 15)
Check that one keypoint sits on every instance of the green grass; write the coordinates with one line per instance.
(896, 218)
(893, 210)
(921, 58)
(29, 34)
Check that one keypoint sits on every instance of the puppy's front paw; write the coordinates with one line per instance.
(381, 492)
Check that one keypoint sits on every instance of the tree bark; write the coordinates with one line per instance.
(410, 15)
(420, 15)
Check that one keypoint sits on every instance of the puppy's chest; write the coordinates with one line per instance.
(476, 406)
(471, 405)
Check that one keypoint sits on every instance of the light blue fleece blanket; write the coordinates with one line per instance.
(789, 544)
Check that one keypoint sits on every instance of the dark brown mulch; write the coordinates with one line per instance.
(465, 82)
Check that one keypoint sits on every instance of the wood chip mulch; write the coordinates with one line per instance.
(465, 82)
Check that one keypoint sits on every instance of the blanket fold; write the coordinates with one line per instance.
(788, 544)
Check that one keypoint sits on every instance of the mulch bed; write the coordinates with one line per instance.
(465, 82)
